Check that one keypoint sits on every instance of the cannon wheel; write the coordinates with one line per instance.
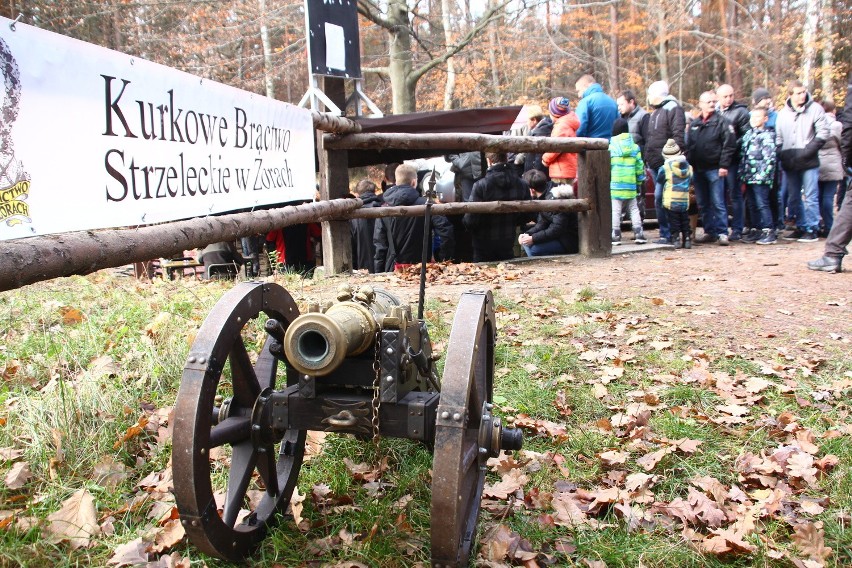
(458, 475)
(201, 426)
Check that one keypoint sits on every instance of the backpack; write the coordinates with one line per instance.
(678, 174)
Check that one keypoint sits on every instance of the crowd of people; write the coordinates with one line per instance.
(750, 175)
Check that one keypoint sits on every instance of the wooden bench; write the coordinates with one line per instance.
(174, 266)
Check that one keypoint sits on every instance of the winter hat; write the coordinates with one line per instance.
(559, 106)
(760, 94)
(620, 127)
(657, 92)
(671, 148)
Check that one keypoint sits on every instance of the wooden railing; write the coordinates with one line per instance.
(29, 260)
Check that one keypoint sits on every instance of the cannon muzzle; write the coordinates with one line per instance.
(317, 343)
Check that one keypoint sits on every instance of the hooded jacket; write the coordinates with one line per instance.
(563, 166)
(637, 124)
(533, 161)
(711, 143)
(399, 240)
(667, 121)
(830, 160)
(675, 176)
(363, 257)
(553, 226)
(800, 134)
(626, 167)
(758, 157)
(596, 111)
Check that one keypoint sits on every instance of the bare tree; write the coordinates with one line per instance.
(401, 69)
(809, 40)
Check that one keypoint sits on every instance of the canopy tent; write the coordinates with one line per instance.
(478, 121)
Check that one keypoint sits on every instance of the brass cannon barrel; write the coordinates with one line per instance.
(317, 343)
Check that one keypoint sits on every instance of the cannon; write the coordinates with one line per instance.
(259, 376)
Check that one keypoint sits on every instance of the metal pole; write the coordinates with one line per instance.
(427, 233)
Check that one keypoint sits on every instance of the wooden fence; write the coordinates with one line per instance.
(29, 260)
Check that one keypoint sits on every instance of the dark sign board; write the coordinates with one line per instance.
(333, 41)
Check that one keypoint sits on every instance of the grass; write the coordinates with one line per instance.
(82, 359)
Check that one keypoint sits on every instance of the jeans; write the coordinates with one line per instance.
(759, 196)
(710, 195)
(546, 248)
(827, 190)
(803, 197)
(781, 201)
(662, 217)
(733, 190)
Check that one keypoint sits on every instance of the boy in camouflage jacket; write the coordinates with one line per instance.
(759, 158)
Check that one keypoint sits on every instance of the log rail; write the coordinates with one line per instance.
(29, 260)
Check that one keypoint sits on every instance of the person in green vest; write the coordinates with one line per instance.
(627, 175)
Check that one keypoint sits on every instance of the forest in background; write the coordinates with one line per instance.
(441, 54)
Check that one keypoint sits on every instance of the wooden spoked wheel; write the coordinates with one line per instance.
(219, 447)
(458, 467)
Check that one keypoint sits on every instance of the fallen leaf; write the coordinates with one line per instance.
(169, 535)
(18, 475)
(810, 539)
(130, 553)
(76, 522)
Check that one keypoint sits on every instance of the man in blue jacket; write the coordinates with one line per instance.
(596, 110)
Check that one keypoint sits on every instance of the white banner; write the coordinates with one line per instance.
(91, 138)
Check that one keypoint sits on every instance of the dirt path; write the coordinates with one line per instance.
(741, 293)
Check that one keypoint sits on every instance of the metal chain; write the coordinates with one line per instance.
(377, 384)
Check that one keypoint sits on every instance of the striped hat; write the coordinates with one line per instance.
(559, 106)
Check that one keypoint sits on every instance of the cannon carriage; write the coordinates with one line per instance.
(362, 366)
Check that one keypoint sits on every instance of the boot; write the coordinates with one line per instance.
(639, 236)
(827, 264)
(676, 240)
(616, 237)
(687, 242)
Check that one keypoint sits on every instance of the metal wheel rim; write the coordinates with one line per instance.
(467, 383)
(219, 342)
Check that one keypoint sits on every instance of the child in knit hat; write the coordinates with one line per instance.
(627, 175)
(562, 166)
(675, 176)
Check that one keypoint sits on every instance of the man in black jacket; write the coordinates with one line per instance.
(399, 240)
(738, 116)
(363, 251)
(494, 235)
(841, 230)
(553, 233)
(710, 150)
(667, 121)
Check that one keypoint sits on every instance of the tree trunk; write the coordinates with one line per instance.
(726, 41)
(614, 80)
(269, 80)
(809, 40)
(778, 60)
(492, 55)
(828, 49)
(478, 207)
(662, 53)
(450, 86)
(404, 100)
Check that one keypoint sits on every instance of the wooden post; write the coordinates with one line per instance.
(334, 183)
(593, 184)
